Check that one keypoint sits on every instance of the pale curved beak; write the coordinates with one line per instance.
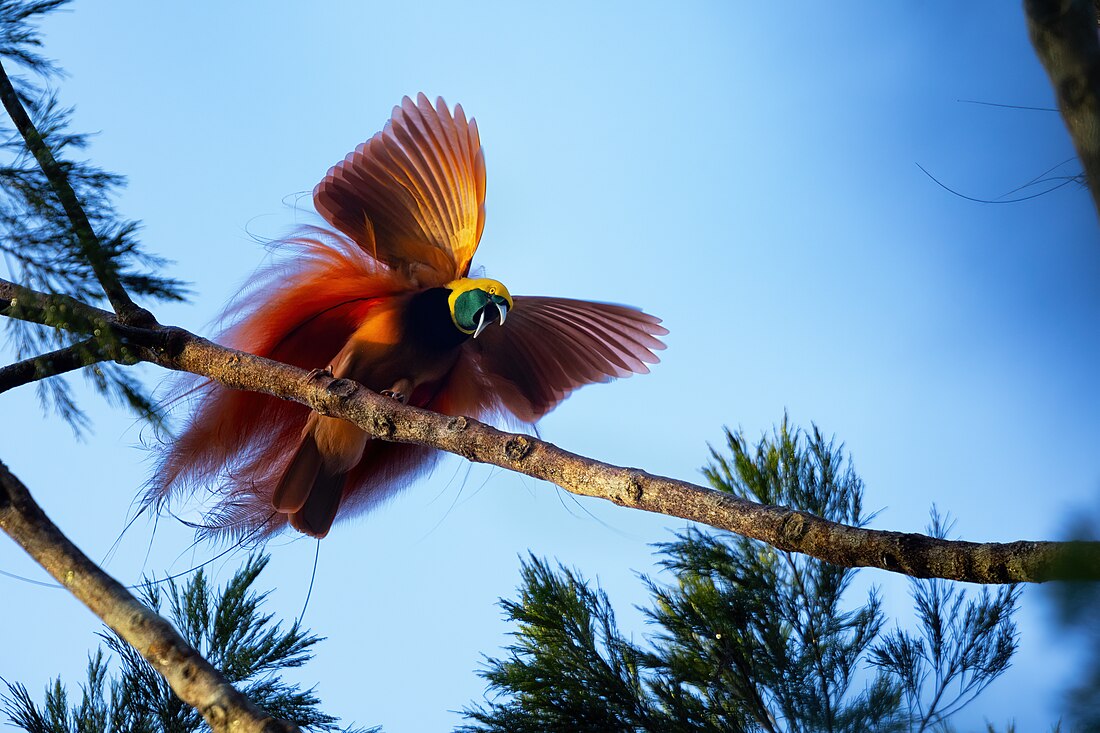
(481, 324)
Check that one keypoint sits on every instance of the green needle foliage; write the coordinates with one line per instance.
(962, 645)
(43, 247)
(227, 626)
(570, 669)
(747, 637)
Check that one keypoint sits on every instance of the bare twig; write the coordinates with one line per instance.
(1064, 33)
(127, 310)
(52, 364)
(915, 555)
(14, 297)
(191, 677)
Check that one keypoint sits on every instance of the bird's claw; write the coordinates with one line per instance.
(315, 374)
(399, 396)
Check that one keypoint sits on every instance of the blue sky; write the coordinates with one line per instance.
(748, 172)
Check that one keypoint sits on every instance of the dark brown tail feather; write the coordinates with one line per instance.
(308, 492)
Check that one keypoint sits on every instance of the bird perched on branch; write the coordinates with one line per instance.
(386, 300)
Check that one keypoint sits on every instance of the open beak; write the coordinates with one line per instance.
(481, 324)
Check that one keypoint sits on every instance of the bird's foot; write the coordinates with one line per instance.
(399, 396)
(400, 390)
(315, 374)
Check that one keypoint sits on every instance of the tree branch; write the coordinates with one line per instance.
(127, 310)
(1064, 33)
(915, 555)
(26, 304)
(191, 677)
(70, 358)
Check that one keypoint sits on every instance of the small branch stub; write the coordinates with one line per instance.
(793, 528)
(382, 426)
(517, 448)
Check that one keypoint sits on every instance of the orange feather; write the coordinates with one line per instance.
(383, 300)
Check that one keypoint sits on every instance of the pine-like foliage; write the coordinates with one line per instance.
(41, 244)
(227, 626)
(747, 637)
(963, 644)
(569, 669)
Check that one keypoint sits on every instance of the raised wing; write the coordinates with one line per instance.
(413, 196)
(548, 347)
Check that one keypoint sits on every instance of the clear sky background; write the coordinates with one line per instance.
(747, 171)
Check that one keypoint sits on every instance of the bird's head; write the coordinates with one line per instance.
(477, 302)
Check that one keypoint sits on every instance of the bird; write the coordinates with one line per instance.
(383, 296)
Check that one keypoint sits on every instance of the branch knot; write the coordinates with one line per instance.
(633, 494)
(517, 447)
(383, 427)
(793, 529)
(342, 389)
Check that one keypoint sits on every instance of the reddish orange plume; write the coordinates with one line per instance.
(409, 207)
(300, 313)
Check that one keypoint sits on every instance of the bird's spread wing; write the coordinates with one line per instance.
(413, 195)
(550, 346)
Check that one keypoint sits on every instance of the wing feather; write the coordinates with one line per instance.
(549, 347)
(413, 196)
(619, 342)
(428, 132)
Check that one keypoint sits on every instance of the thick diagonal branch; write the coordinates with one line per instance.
(915, 555)
(90, 246)
(191, 677)
(1064, 33)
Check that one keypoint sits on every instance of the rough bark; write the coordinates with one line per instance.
(915, 555)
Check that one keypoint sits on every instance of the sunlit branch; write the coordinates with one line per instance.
(915, 555)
